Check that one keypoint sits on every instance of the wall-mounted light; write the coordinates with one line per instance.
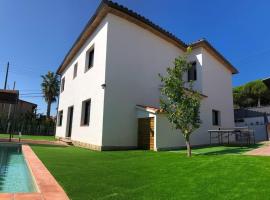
(103, 86)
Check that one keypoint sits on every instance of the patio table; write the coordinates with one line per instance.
(220, 133)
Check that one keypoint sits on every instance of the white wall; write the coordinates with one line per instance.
(169, 137)
(217, 85)
(134, 58)
(84, 86)
(130, 58)
(257, 124)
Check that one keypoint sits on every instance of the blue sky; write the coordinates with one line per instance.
(35, 35)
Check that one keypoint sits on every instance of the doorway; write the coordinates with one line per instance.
(146, 133)
(69, 121)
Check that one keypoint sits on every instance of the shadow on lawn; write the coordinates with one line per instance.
(222, 150)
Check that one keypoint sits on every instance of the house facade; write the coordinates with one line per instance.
(110, 88)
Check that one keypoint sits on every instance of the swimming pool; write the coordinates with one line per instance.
(15, 176)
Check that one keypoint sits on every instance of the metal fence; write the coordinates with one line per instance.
(27, 124)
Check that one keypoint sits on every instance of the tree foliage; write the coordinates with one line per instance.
(254, 93)
(50, 89)
(179, 100)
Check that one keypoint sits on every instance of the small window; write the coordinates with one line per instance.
(62, 84)
(90, 59)
(192, 72)
(86, 108)
(75, 70)
(60, 118)
(216, 117)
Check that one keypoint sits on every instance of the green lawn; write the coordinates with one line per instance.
(221, 150)
(123, 175)
(32, 137)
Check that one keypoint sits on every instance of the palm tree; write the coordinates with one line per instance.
(50, 89)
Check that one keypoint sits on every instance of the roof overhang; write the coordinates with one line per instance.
(150, 109)
(111, 7)
(206, 45)
(107, 6)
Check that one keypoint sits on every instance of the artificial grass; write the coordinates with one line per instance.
(32, 137)
(122, 175)
(220, 150)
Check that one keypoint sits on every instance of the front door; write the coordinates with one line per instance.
(69, 122)
(146, 133)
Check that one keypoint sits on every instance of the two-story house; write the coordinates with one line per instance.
(110, 87)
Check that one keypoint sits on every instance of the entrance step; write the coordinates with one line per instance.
(67, 141)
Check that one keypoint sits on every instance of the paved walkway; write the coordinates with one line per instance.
(29, 141)
(261, 151)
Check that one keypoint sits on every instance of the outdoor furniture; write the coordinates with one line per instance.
(242, 135)
(221, 135)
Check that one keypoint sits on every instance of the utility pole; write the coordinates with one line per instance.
(5, 86)
(9, 113)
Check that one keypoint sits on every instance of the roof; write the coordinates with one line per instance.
(9, 96)
(205, 44)
(251, 112)
(267, 82)
(107, 6)
(150, 109)
(27, 102)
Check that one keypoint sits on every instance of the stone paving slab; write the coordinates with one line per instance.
(261, 151)
(29, 141)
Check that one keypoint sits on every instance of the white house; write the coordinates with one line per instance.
(110, 87)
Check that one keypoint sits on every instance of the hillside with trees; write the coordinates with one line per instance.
(252, 94)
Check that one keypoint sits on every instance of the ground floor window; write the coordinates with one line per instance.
(216, 117)
(86, 107)
(60, 118)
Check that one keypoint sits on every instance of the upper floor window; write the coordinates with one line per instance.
(62, 84)
(86, 108)
(216, 117)
(60, 118)
(192, 72)
(90, 58)
(75, 70)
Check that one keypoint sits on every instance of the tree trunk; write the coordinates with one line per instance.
(259, 102)
(188, 147)
(49, 109)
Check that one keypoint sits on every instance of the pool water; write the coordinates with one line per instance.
(15, 176)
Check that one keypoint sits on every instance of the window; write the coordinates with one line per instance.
(60, 118)
(86, 107)
(192, 72)
(90, 59)
(62, 84)
(216, 117)
(75, 70)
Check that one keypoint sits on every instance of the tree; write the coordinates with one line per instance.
(50, 89)
(181, 104)
(258, 90)
(254, 93)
